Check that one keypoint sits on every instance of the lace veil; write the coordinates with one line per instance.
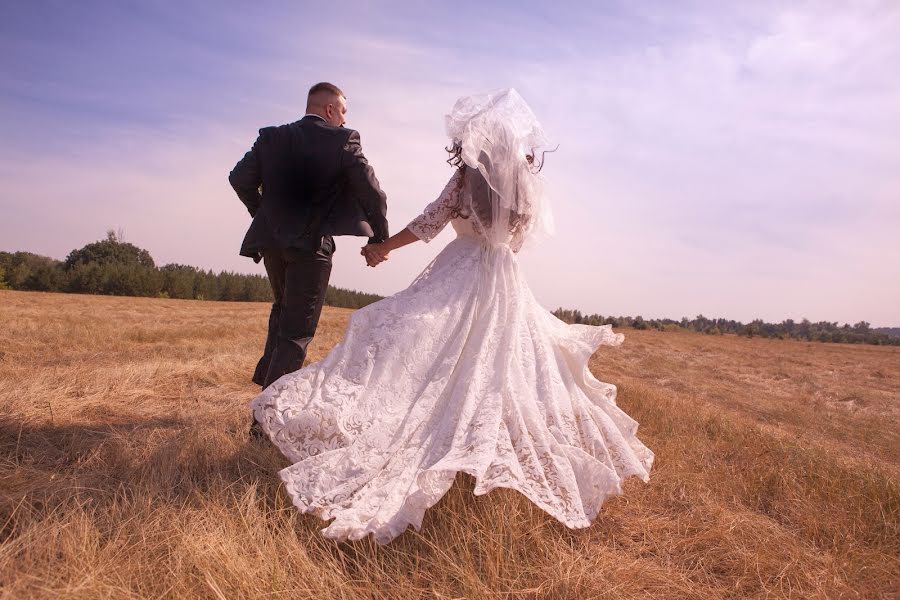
(495, 132)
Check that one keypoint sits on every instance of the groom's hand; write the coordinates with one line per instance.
(372, 259)
(374, 254)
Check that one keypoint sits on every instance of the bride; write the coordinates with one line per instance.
(461, 371)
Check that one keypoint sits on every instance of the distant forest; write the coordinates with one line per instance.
(117, 268)
(114, 267)
(823, 331)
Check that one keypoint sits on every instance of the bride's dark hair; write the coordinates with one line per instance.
(481, 202)
(455, 158)
(455, 152)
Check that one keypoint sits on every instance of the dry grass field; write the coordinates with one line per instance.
(125, 472)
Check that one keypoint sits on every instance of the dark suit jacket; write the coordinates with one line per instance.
(305, 180)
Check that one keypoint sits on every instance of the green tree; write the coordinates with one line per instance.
(44, 277)
(862, 327)
(85, 279)
(206, 286)
(178, 281)
(110, 251)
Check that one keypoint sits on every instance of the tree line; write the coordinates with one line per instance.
(823, 331)
(117, 268)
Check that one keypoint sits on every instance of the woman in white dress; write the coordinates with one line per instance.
(461, 371)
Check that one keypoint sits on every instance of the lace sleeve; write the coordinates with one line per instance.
(437, 214)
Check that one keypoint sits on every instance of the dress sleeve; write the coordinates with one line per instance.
(437, 214)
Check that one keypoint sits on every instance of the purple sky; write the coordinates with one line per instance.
(739, 162)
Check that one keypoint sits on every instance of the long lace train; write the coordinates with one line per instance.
(462, 371)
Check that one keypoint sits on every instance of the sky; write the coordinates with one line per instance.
(730, 159)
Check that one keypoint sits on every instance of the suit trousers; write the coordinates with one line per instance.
(299, 280)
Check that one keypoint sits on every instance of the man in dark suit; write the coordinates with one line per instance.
(304, 183)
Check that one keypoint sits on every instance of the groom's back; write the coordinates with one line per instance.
(304, 180)
(301, 171)
(303, 168)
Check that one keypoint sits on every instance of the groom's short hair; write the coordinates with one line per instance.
(321, 89)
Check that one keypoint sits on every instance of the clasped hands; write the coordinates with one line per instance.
(374, 254)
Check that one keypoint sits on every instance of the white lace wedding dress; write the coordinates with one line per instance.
(461, 371)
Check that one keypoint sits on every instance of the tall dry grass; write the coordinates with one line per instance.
(125, 472)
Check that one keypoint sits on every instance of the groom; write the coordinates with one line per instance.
(304, 183)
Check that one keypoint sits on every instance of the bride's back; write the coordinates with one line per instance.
(492, 218)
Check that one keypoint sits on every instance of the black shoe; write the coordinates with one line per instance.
(256, 431)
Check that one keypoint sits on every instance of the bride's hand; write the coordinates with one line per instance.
(375, 254)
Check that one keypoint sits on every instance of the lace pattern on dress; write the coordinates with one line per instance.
(461, 371)
(440, 212)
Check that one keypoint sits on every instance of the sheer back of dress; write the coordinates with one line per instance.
(496, 190)
(501, 190)
(491, 219)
